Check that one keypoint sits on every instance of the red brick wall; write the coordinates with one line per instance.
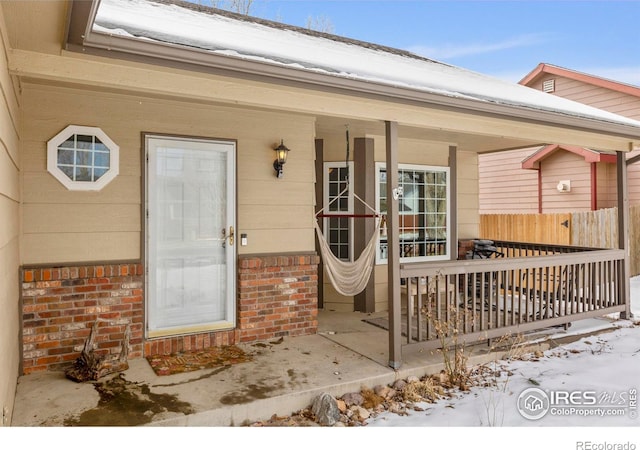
(183, 343)
(61, 304)
(278, 296)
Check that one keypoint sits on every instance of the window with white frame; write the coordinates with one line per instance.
(423, 212)
(82, 158)
(338, 201)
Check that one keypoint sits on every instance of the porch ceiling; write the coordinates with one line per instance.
(471, 142)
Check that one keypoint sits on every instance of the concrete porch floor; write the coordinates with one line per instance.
(282, 377)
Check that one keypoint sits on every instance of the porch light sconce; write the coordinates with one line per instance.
(281, 158)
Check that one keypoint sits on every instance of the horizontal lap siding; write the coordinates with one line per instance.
(504, 185)
(607, 186)
(609, 100)
(68, 229)
(9, 233)
(75, 226)
(633, 180)
(598, 97)
(561, 166)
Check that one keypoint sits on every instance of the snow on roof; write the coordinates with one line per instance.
(204, 29)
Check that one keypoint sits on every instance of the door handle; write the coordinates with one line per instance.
(231, 235)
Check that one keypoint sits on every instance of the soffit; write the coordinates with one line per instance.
(37, 25)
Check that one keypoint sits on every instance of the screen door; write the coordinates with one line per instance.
(190, 246)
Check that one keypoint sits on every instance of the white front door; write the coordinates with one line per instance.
(190, 248)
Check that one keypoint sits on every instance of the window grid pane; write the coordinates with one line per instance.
(338, 231)
(83, 158)
(423, 213)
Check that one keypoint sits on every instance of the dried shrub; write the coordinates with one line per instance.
(426, 390)
(371, 399)
(453, 351)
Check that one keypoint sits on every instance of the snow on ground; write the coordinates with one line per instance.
(586, 387)
(606, 365)
(578, 396)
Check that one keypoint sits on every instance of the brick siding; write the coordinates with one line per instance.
(61, 304)
(277, 296)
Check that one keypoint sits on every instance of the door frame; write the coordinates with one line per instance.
(144, 207)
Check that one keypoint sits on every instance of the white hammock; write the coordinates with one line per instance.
(349, 277)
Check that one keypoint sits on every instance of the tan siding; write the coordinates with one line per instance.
(70, 248)
(42, 188)
(9, 231)
(9, 179)
(275, 214)
(468, 201)
(264, 192)
(102, 218)
(504, 186)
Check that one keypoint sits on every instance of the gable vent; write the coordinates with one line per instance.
(549, 85)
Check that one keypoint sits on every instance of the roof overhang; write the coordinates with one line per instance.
(81, 37)
(590, 156)
(543, 69)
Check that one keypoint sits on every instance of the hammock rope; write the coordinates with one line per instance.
(349, 277)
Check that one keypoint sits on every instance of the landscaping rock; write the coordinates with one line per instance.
(325, 408)
(399, 385)
(353, 398)
(385, 392)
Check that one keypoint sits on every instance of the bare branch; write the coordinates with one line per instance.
(320, 23)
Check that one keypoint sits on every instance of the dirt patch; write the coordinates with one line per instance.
(124, 403)
(251, 392)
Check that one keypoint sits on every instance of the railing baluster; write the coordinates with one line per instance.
(612, 296)
(550, 290)
(563, 289)
(419, 312)
(545, 284)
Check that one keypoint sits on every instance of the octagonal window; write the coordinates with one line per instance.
(82, 158)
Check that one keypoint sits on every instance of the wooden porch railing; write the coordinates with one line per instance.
(531, 287)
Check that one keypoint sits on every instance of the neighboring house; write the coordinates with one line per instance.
(137, 181)
(561, 178)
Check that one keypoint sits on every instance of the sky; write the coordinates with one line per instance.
(504, 39)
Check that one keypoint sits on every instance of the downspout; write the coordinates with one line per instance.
(594, 186)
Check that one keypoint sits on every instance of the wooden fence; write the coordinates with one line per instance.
(594, 229)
